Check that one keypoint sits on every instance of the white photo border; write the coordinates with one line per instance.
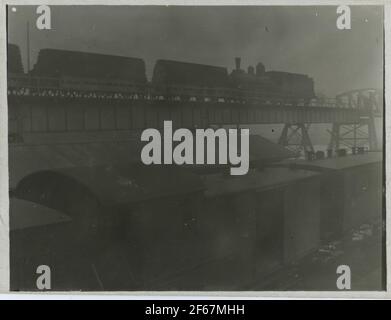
(152, 295)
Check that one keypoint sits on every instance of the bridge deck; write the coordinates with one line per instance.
(37, 114)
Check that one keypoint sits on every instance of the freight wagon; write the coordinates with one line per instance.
(59, 63)
(352, 192)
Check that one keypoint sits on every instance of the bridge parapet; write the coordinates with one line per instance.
(38, 114)
(117, 90)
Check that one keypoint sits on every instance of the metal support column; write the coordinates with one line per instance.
(296, 138)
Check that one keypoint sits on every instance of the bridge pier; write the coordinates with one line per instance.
(354, 135)
(296, 137)
(361, 133)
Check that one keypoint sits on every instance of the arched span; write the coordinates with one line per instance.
(56, 190)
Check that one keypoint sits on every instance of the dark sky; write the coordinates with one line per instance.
(294, 39)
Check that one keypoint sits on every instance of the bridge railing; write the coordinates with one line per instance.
(108, 88)
(92, 88)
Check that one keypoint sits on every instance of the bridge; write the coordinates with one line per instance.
(84, 106)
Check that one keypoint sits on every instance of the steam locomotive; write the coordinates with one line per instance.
(171, 79)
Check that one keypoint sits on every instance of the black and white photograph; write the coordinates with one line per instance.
(218, 148)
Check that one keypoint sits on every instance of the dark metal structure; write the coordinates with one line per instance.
(14, 61)
(364, 131)
(296, 137)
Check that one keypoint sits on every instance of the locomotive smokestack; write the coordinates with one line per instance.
(237, 63)
(260, 69)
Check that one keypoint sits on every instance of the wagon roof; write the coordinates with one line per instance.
(25, 214)
(338, 163)
(264, 150)
(255, 180)
(186, 73)
(191, 65)
(286, 74)
(125, 184)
